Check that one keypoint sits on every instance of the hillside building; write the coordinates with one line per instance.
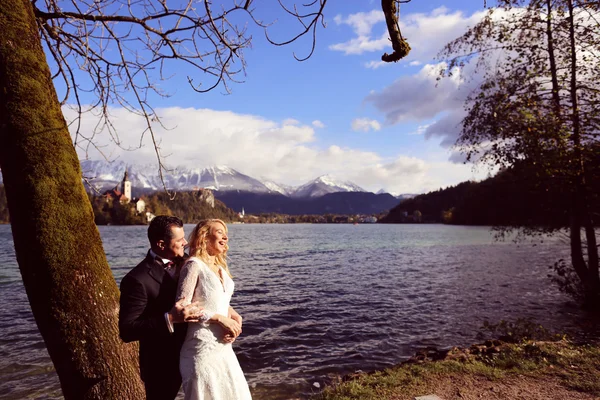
(126, 188)
(123, 195)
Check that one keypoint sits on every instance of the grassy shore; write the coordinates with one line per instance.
(495, 370)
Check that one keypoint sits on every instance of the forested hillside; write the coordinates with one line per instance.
(188, 206)
(514, 197)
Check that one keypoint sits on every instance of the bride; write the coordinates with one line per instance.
(209, 368)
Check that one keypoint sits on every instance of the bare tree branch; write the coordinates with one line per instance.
(399, 44)
(312, 18)
(148, 36)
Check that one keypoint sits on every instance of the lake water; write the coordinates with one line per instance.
(326, 300)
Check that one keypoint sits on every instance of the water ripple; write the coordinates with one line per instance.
(322, 300)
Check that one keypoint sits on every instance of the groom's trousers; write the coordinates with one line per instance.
(163, 388)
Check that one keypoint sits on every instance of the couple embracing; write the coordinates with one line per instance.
(177, 307)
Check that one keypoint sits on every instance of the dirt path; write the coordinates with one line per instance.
(514, 388)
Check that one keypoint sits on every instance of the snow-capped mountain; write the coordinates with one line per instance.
(406, 196)
(106, 175)
(278, 187)
(383, 191)
(323, 185)
(403, 196)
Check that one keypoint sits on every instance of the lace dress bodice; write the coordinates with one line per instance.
(197, 282)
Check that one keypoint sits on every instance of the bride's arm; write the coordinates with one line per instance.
(184, 310)
(188, 279)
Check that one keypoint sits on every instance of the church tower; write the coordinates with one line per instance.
(126, 187)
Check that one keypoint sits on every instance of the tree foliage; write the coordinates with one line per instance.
(515, 197)
(538, 105)
(191, 207)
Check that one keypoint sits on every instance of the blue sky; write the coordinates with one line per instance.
(341, 112)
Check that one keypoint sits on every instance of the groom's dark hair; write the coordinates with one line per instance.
(160, 228)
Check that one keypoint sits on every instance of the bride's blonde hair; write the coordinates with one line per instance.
(198, 239)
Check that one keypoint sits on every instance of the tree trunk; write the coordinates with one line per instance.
(577, 258)
(581, 214)
(73, 295)
(592, 250)
(552, 59)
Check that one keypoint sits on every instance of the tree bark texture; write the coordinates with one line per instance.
(73, 295)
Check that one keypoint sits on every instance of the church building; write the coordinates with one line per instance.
(123, 196)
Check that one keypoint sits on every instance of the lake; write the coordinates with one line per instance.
(320, 301)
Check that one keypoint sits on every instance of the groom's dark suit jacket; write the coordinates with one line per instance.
(147, 293)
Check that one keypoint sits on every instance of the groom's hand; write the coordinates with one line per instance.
(188, 313)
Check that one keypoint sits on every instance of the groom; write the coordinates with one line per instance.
(148, 311)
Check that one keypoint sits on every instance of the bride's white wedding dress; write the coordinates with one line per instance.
(209, 368)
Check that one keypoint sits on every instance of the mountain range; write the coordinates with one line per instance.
(144, 178)
(106, 175)
(323, 195)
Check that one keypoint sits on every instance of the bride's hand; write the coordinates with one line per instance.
(231, 326)
(235, 316)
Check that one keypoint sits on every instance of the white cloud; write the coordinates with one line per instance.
(421, 129)
(365, 125)
(284, 153)
(290, 121)
(406, 174)
(423, 98)
(376, 64)
(318, 124)
(361, 22)
(362, 44)
(426, 33)
(448, 127)
(420, 96)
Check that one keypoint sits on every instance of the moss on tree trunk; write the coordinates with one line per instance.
(73, 295)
